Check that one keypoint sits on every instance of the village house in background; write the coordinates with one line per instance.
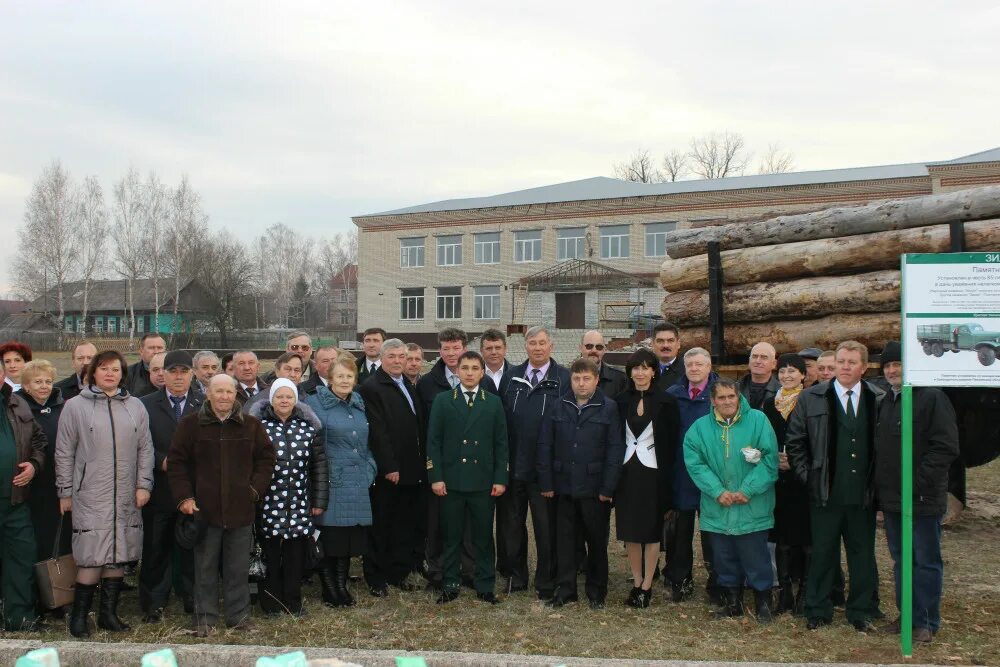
(587, 253)
(342, 303)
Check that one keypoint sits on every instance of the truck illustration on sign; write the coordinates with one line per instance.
(937, 338)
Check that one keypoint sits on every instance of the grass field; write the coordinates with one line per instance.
(411, 621)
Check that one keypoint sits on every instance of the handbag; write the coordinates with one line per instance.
(258, 567)
(56, 576)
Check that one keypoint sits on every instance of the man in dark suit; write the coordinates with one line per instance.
(667, 346)
(138, 382)
(443, 377)
(529, 390)
(467, 468)
(165, 407)
(611, 381)
(396, 421)
(322, 360)
(83, 354)
(371, 342)
(245, 369)
(493, 347)
(761, 384)
(830, 442)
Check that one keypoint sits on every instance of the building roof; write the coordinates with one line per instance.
(109, 295)
(347, 276)
(8, 306)
(581, 274)
(602, 187)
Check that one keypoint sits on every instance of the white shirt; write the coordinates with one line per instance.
(451, 378)
(14, 386)
(369, 363)
(496, 377)
(842, 395)
(641, 446)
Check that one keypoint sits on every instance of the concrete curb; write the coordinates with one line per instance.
(95, 654)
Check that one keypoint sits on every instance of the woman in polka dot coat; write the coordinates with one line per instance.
(298, 492)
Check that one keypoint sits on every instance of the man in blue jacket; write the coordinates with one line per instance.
(580, 451)
(692, 396)
(529, 391)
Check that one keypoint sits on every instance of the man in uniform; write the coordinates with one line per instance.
(467, 468)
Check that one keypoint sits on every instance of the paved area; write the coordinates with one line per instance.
(95, 654)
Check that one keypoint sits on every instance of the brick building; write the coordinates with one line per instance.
(587, 253)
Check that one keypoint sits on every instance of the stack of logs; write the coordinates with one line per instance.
(814, 279)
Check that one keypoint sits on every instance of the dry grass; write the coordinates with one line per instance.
(411, 621)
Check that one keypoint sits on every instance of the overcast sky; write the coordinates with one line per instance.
(309, 113)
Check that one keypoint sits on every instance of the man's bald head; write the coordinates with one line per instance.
(763, 359)
(592, 345)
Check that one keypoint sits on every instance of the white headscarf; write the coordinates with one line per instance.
(283, 382)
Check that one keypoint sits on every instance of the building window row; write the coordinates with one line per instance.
(448, 303)
(571, 243)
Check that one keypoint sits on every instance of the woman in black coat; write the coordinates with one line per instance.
(650, 420)
(46, 405)
(791, 511)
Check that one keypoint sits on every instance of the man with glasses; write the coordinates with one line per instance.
(299, 343)
(611, 381)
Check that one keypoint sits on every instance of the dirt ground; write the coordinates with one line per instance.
(970, 633)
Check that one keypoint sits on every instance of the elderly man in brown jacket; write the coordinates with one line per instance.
(219, 465)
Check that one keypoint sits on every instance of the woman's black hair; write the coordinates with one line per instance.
(102, 358)
(642, 357)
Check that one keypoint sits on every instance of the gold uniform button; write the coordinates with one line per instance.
(463, 460)
(854, 456)
(465, 442)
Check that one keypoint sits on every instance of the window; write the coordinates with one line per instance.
(449, 303)
(528, 246)
(411, 253)
(112, 324)
(449, 250)
(345, 316)
(69, 323)
(140, 323)
(411, 303)
(656, 238)
(570, 243)
(98, 324)
(614, 242)
(342, 296)
(488, 248)
(487, 302)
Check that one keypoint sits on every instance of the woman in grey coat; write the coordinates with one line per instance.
(345, 524)
(104, 474)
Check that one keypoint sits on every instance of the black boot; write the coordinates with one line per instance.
(762, 602)
(786, 596)
(107, 614)
(342, 569)
(327, 577)
(731, 603)
(83, 600)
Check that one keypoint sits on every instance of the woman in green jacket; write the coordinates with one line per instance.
(732, 457)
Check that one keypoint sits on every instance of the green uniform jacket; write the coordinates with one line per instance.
(716, 464)
(467, 447)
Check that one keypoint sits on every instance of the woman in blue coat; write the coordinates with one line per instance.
(345, 524)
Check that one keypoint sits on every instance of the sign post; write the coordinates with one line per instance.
(950, 336)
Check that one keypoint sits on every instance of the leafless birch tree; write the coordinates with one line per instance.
(717, 155)
(130, 251)
(91, 236)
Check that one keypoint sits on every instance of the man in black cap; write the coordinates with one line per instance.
(810, 355)
(165, 407)
(935, 446)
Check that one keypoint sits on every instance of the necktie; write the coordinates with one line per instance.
(534, 377)
(251, 391)
(471, 395)
(453, 381)
(402, 388)
(371, 368)
(850, 404)
(178, 403)
(695, 391)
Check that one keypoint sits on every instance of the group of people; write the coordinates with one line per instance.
(198, 466)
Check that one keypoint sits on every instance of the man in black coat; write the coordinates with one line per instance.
(581, 446)
(397, 423)
(611, 381)
(493, 347)
(166, 407)
(528, 391)
(246, 366)
(935, 446)
(760, 385)
(83, 354)
(138, 382)
(442, 377)
(323, 358)
(667, 346)
(369, 362)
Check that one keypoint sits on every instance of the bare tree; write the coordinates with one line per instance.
(675, 165)
(48, 249)
(185, 239)
(91, 236)
(130, 251)
(282, 255)
(639, 169)
(225, 276)
(776, 160)
(718, 155)
(154, 212)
